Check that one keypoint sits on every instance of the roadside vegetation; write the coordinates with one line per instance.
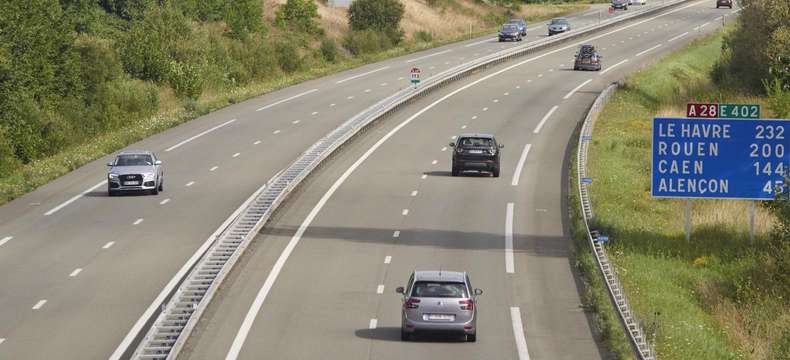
(83, 78)
(718, 296)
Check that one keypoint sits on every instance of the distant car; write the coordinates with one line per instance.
(521, 24)
(587, 58)
(475, 152)
(439, 301)
(135, 171)
(509, 32)
(637, 2)
(559, 25)
(620, 4)
(723, 3)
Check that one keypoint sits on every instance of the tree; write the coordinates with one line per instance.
(378, 15)
(298, 15)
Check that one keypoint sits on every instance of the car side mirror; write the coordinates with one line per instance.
(109, 163)
(478, 292)
(501, 146)
(158, 162)
(452, 144)
(400, 290)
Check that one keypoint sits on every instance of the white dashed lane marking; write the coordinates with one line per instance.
(236, 154)
(108, 245)
(213, 168)
(373, 324)
(405, 212)
(39, 304)
(189, 183)
(5, 240)
(396, 233)
(165, 201)
(138, 221)
(76, 272)
(387, 259)
(380, 289)
(414, 193)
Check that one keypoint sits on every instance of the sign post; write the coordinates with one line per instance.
(720, 158)
(415, 76)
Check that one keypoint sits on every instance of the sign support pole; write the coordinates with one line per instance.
(688, 220)
(752, 209)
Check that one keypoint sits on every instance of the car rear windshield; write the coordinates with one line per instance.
(559, 21)
(439, 289)
(476, 142)
(134, 160)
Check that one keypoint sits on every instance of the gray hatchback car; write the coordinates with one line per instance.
(439, 301)
(135, 171)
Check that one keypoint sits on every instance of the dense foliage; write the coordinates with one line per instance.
(379, 16)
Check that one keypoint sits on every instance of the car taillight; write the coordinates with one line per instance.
(467, 304)
(411, 303)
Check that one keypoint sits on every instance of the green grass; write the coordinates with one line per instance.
(699, 296)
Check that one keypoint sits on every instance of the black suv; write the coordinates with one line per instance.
(723, 3)
(476, 152)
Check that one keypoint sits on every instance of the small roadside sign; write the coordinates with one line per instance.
(716, 111)
(602, 239)
(415, 76)
(587, 180)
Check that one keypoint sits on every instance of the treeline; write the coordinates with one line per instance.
(71, 70)
(755, 57)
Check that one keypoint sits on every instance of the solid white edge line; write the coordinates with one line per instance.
(138, 326)
(244, 329)
(373, 324)
(361, 75)
(518, 333)
(76, 272)
(287, 99)
(73, 199)
(509, 263)
(545, 118)
(704, 25)
(613, 66)
(427, 56)
(176, 146)
(520, 165)
(5, 240)
(39, 304)
(568, 95)
(648, 50)
(678, 37)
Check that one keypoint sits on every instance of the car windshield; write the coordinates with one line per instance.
(477, 142)
(439, 289)
(133, 160)
(509, 27)
(514, 21)
(559, 21)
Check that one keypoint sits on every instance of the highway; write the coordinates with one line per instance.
(387, 205)
(80, 268)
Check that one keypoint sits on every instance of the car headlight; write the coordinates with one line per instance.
(460, 150)
(112, 176)
(148, 176)
(492, 151)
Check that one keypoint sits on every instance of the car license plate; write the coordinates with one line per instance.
(440, 317)
(131, 183)
(475, 151)
(586, 61)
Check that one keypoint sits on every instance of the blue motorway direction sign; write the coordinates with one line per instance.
(719, 158)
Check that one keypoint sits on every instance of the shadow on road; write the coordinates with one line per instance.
(392, 333)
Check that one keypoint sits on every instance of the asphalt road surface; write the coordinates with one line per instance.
(387, 205)
(80, 268)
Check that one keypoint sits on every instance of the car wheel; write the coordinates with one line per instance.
(455, 171)
(496, 172)
(471, 337)
(111, 193)
(155, 191)
(404, 336)
(162, 186)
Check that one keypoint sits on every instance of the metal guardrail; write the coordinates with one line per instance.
(179, 314)
(633, 328)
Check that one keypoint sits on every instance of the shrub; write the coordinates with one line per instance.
(185, 79)
(423, 36)
(298, 15)
(244, 17)
(329, 50)
(383, 16)
(288, 57)
(366, 42)
(146, 50)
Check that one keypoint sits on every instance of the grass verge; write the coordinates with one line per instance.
(39, 172)
(697, 296)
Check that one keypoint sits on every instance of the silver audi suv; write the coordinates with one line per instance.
(135, 171)
(439, 301)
